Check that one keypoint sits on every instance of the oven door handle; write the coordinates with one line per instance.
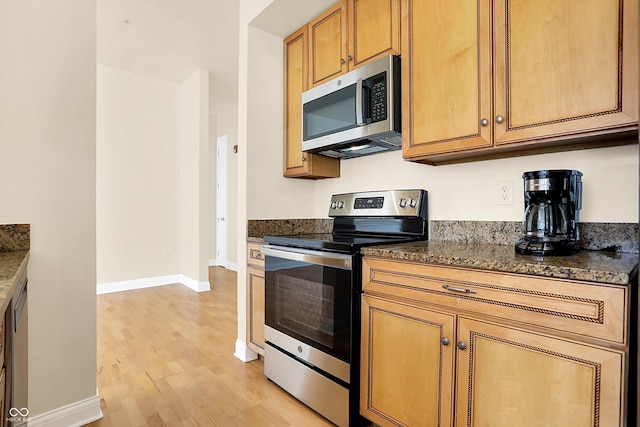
(327, 259)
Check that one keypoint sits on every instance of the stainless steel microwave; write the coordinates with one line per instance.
(356, 114)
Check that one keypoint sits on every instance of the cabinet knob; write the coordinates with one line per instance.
(349, 58)
(462, 345)
(342, 61)
(484, 122)
(304, 158)
(444, 341)
(499, 119)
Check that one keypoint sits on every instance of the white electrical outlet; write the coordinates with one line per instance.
(504, 193)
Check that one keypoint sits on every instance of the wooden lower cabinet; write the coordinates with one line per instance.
(406, 374)
(436, 365)
(255, 299)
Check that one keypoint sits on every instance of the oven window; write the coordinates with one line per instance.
(311, 303)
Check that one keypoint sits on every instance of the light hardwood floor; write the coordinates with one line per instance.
(165, 357)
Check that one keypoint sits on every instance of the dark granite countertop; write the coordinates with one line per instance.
(15, 241)
(12, 263)
(593, 266)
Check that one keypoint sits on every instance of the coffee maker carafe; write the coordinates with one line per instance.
(552, 201)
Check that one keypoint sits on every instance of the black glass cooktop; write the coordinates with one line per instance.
(335, 242)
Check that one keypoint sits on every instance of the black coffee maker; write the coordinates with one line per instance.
(552, 201)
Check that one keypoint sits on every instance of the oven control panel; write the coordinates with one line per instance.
(380, 203)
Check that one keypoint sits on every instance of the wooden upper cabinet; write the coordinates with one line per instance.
(374, 29)
(485, 78)
(328, 44)
(351, 33)
(297, 163)
(446, 80)
(565, 67)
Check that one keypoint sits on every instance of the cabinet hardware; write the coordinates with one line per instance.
(499, 119)
(350, 58)
(342, 61)
(444, 341)
(462, 345)
(484, 122)
(464, 291)
(304, 158)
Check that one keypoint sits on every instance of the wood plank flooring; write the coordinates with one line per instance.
(165, 358)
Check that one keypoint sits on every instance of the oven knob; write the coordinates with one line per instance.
(333, 205)
(299, 349)
(413, 202)
(340, 204)
(403, 203)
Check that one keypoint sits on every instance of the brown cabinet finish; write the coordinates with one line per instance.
(255, 298)
(494, 349)
(374, 30)
(328, 44)
(298, 164)
(494, 78)
(351, 33)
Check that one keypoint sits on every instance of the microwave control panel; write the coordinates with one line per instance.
(378, 99)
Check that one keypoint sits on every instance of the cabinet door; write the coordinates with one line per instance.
(297, 163)
(564, 68)
(255, 310)
(374, 29)
(328, 44)
(406, 372)
(446, 76)
(508, 377)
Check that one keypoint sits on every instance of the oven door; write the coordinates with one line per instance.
(308, 297)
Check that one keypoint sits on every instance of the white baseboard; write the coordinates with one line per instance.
(244, 353)
(128, 285)
(194, 284)
(73, 415)
(148, 282)
(229, 265)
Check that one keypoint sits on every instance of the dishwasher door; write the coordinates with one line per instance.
(19, 355)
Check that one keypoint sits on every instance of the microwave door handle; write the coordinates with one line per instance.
(359, 101)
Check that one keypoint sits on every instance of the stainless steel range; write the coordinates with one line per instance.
(312, 290)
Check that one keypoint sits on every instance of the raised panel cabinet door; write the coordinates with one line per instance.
(509, 377)
(407, 364)
(328, 44)
(299, 164)
(565, 67)
(255, 309)
(295, 82)
(446, 76)
(374, 29)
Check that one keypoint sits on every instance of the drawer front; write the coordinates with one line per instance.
(583, 308)
(255, 258)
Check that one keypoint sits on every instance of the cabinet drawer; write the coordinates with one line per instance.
(254, 256)
(584, 308)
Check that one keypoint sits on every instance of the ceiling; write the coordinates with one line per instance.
(168, 39)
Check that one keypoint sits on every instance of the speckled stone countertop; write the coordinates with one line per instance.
(258, 228)
(14, 255)
(593, 266)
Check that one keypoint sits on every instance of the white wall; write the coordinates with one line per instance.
(153, 219)
(48, 179)
(269, 194)
(138, 176)
(467, 191)
(194, 179)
